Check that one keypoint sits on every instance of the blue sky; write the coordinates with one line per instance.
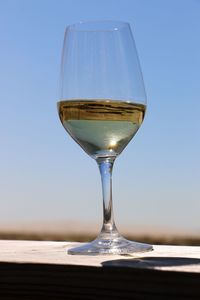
(44, 174)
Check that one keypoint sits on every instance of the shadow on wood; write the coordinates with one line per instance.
(153, 262)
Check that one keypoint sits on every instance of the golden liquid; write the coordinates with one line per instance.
(102, 128)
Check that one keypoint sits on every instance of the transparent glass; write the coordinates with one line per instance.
(102, 105)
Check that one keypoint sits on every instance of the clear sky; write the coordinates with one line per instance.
(44, 175)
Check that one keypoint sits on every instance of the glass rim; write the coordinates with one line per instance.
(98, 25)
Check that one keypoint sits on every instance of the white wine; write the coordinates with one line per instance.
(102, 128)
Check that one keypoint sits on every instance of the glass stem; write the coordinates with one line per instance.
(105, 167)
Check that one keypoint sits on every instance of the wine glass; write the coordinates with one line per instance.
(102, 105)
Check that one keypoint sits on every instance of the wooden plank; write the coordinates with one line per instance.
(44, 270)
(171, 258)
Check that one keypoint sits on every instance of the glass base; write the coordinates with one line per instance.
(111, 245)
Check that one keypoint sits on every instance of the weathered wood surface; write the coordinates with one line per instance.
(44, 270)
